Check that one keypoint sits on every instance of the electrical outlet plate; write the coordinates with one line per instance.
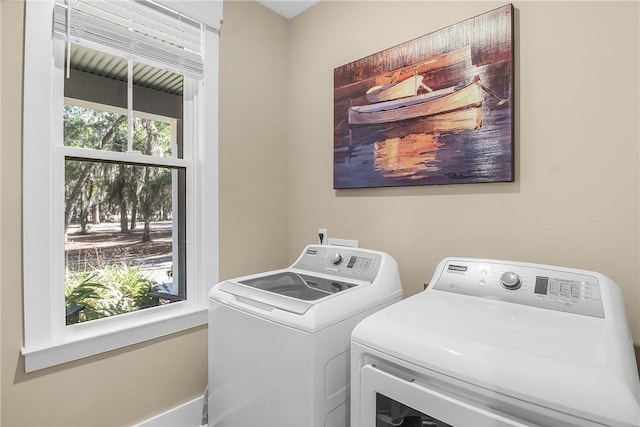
(343, 242)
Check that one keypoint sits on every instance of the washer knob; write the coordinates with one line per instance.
(336, 259)
(510, 280)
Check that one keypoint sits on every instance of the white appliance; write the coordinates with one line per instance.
(498, 343)
(279, 341)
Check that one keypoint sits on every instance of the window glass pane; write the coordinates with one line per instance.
(124, 223)
(125, 239)
(152, 137)
(157, 79)
(93, 128)
(97, 103)
(156, 92)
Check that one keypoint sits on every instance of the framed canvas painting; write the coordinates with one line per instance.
(434, 110)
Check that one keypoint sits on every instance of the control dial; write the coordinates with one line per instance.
(510, 280)
(336, 259)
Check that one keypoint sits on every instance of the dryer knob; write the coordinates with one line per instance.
(336, 259)
(510, 280)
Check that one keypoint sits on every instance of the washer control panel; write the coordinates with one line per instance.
(349, 263)
(547, 288)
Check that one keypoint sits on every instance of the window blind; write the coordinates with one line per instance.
(141, 30)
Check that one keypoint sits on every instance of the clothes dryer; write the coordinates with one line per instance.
(279, 341)
(498, 343)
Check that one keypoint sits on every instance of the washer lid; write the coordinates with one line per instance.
(288, 291)
(294, 285)
(273, 300)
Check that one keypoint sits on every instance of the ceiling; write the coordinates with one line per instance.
(288, 8)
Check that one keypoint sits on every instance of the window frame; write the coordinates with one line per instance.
(48, 341)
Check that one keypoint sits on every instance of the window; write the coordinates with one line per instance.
(120, 175)
(124, 221)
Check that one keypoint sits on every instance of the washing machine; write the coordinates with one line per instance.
(498, 343)
(279, 341)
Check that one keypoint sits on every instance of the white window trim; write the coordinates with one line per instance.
(48, 341)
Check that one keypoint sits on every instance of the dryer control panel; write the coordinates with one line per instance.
(547, 288)
(348, 263)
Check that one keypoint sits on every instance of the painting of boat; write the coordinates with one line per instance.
(405, 88)
(424, 105)
(434, 110)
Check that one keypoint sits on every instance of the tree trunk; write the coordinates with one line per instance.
(96, 213)
(146, 234)
(122, 199)
(83, 218)
(146, 206)
(134, 214)
(146, 199)
(123, 216)
(75, 193)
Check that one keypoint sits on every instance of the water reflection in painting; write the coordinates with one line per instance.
(444, 118)
(405, 157)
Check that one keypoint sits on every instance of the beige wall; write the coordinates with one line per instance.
(575, 201)
(253, 140)
(575, 198)
(127, 386)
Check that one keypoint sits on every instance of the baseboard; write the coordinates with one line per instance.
(188, 414)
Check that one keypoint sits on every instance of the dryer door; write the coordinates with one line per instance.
(388, 401)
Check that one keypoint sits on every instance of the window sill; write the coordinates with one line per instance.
(114, 335)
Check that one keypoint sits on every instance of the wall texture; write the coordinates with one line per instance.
(132, 384)
(575, 198)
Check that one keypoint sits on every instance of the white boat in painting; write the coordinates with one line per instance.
(405, 88)
(423, 105)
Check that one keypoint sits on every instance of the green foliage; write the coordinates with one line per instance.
(87, 128)
(113, 290)
(82, 289)
(152, 137)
